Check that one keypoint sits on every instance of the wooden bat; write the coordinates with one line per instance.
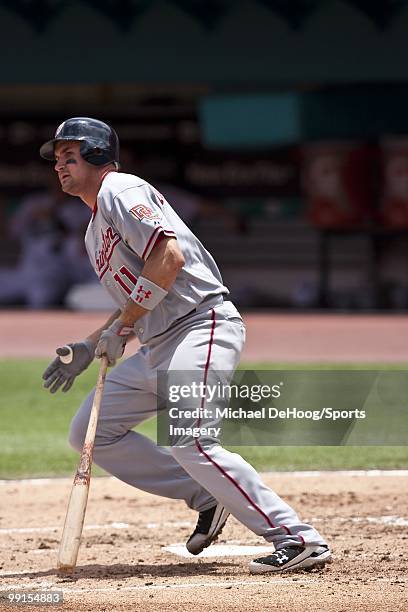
(74, 519)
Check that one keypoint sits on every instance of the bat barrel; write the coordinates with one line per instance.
(74, 519)
(71, 535)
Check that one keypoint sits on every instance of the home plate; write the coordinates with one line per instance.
(220, 550)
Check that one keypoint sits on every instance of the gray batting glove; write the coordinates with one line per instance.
(113, 341)
(59, 373)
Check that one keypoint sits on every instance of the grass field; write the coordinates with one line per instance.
(34, 427)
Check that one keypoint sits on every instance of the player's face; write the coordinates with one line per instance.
(73, 171)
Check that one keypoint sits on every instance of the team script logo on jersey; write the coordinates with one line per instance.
(141, 211)
(109, 240)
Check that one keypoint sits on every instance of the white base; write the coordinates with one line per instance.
(220, 550)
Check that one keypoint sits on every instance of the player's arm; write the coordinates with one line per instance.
(158, 274)
(160, 270)
(94, 336)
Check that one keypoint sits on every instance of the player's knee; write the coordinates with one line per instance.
(77, 433)
(108, 432)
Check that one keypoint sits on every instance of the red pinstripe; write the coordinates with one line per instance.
(214, 463)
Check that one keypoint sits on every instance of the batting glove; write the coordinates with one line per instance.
(113, 341)
(59, 373)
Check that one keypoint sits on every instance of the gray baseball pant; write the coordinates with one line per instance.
(201, 473)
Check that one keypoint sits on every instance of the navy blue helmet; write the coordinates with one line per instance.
(99, 143)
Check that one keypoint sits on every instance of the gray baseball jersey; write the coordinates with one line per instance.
(128, 219)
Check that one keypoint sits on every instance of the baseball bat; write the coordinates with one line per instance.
(74, 519)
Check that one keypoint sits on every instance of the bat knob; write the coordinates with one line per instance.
(68, 354)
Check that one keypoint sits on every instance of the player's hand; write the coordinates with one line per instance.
(113, 341)
(59, 373)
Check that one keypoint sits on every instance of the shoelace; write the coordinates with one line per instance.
(203, 522)
(280, 556)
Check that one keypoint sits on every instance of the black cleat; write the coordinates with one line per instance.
(292, 558)
(209, 526)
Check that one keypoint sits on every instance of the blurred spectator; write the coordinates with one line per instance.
(49, 227)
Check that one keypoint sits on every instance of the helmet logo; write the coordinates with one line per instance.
(59, 129)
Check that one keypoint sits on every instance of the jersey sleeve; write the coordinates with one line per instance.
(139, 218)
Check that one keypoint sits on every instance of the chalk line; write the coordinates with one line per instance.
(5, 531)
(219, 550)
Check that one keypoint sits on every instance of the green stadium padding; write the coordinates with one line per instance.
(256, 121)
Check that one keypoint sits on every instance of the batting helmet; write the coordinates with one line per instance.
(99, 143)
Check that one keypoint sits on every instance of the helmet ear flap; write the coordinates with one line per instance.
(94, 155)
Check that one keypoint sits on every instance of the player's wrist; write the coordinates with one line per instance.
(121, 328)
(147, 294)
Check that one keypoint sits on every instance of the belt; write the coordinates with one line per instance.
(208, 302)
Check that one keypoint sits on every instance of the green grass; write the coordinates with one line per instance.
(34, 426)
(35, 423)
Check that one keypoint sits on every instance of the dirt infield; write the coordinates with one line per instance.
(270, 337)
(123, 564)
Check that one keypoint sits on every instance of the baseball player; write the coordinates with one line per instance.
(170, 295)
